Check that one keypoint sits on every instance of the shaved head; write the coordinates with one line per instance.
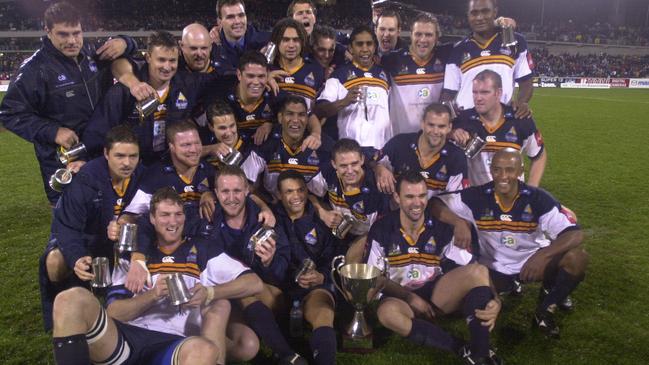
(196, 45)
(508, 154)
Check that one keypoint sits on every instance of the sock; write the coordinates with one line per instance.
(477, 298)
(71, 350)
(323, 345)
(427, 334)
(261, 319)
(565, 284)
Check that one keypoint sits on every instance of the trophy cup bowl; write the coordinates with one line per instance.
(127, 241)
(66, 156)
(360, 284)
(178, 292)
(146, 107)
(509, 39)
(60, 179)
(271, 51)
(233, 158)
(474, 146)
(345, 225)
(101, 270)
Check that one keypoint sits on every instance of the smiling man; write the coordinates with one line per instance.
(56, 89)
(514, 222)
(358, 93)
(388, 29)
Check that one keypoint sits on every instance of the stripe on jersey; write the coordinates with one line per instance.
(366, 81)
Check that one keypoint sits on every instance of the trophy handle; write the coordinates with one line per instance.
(334, 270)
(386, 268)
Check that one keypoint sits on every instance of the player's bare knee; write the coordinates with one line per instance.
(72, 303)
(220, 308)
(55, 266)
(247, 346)
(575, 261)
(198, 351)
(479, 274)
(387, 312)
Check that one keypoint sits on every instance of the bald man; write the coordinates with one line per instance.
(199, 52)
(513, 220)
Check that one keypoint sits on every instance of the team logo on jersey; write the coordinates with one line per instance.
(506, 217)
(168, 260)
(505, 51)
(413, 250)
(62, 77)
(289, 80)
(313, 159)
(192, 254)
(527, 215)
(511, 135)
(508, 241)
(421, 71)
(293, 161)
(423, 93)
(189, 189)
(365, 190)
(181, 102)
(466, 57)
(491, 139)
(395, 250)
(430, 246)
(442, 174)
(358, 207)
(267, 113)
(92, 66)
(414, 274)
(276, 157)
(485, 53)
(351, 75)
(487, 215)
(309, 80)
(311, 237)
(119, 202)
(383, 76)
(372, 95)
(404, 70)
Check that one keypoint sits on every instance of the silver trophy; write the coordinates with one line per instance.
(60, 179)
(178, 292)
(345, 225)
(127, 241)
(307, 265)
(101, 270)
(452, 108)
(262, 235)
(474, 146)
(360, 284)
(146, 107)
(271, 51)
(74, 153)
(233, 158)
(362, 96)
(508, 39)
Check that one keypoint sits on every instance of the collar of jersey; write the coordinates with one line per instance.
(421, 63)
(248, 108)
(294, 69)
(120, 191)
(487, 44)
(502, 207)
(411, 241)
(362, 68)
(500, 123)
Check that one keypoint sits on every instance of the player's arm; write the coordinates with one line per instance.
(266, 215)
(109, 112)
(537, 167)
(535, 266)
(461, 229)
(122, 71)
(521, 105)
(341, 97)
(127, 309)
(246, 285)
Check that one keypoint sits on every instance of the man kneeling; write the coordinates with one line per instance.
(413, 242)
(146, 328)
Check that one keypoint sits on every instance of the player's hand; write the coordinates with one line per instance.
(310, 279)
(385, 180)
(460, 136)
(262, 133)
(505, 22)
(142, 91)
(534, 267)
(312, 141)
(221, 150)
(521, 109)
(198, 295)
(112, 231)
(112, 49)
(66, 137)
(266, 251)
(462, 234)
(215, 33)
(82, 268)
(331, 218)
(274, 78)
(489, 315)
(75, 166)
(329, 70)
(207, 205)
(136, 277)
(353, 95)
(421, 307)
(267, 218)
(160, 289)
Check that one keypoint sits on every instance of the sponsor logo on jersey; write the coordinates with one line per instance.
(293, 161)
(168, 260)
(395, 250)
(309, 80)
(508, 241)
(368, 74)
(189, 189)
(421, 71)
(250, 117)
(62, 77)
(365, 190)
(506, 217)
(276, 157)
(313, 159)
(491, 139)
(414, 274)
(423, 93)
(372, 95)
(485, 53)
(181, 102)
(438, 67)
(527, 214)
(511, 135)
(289, 80)
(311, 237)
(69, 93)
(413, 250)
(424, 174)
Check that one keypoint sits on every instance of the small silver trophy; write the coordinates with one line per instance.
(262, 235)
(345, 225)
(474, 146)
(60, 179)
(101, 270)
(66, 156)
(178, 292)
(233, 158)
(452, 108)
(509, 39)
(271, 51)
(146, 107)
(127, 241)
(307, 265)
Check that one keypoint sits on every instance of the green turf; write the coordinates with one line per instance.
(597, 166)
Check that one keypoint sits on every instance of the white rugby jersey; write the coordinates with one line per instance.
(199, 261)
(519, 134)
(415, 85)
(469, 57)
(509, 237)
(370, 129)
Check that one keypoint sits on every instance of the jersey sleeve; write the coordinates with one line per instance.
(333, 91)
(552, 220)
(253, 166)
(458, 172)
(452, 73)
(524, 64)
(533, 141)
(376, 253)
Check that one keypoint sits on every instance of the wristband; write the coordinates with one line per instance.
(210, 295)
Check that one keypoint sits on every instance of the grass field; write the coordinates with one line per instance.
(597, 166)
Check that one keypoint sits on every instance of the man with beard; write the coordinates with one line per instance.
(94, 198)
(283, 151)
(419, 289)
(514, 221)
(358, 94)
(235, 220)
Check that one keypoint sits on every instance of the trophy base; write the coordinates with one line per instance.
(358, 345)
